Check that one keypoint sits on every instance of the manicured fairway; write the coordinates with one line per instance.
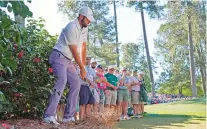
(189, 114)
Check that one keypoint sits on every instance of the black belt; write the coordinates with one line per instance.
(61, 54)
(110, 89)
(134, 91)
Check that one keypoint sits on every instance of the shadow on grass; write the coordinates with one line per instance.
(200, 118)
(194, 101)
(161, 120)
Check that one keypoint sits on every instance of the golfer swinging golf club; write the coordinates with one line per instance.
(71, 42)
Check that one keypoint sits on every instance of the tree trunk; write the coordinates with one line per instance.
(147, 53)
(180, 90)
(202, 71)
(94, 45)
(205, 49)
(203, 80)
(107, 63)
(205, 71)
(192, 65)
(117, 47)
(101, 41)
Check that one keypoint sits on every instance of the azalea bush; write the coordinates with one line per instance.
(25, 75)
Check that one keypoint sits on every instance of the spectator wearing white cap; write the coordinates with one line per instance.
(93, 63)
(70, 43)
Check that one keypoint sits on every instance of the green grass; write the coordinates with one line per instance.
(188, 114)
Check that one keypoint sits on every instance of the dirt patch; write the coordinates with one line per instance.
(104, 120)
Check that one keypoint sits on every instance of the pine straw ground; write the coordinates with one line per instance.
(98, 121)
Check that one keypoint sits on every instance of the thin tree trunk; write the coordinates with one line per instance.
(192, 65)
(203, 80)
(201, 63)
(205, 61)
(107, 63)
(94, 45)
(147, 52)
(101, 41)
(117, 40)
(180, 90)
(205, 49)
(205, 65)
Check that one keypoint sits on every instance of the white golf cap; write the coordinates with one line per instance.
(93, 60)
(111, 67)
(88, 56)
(87, 12)
(141, 73)
(123, 68)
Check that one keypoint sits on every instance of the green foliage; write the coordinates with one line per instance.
(17, 7)
(25, 81)
(134, 58)
(31, 81)
(173, 47)
(153, 8)
(24, 77)
(106, 53)
(10, 34)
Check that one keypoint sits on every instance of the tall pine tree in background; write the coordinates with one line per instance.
(153, 10)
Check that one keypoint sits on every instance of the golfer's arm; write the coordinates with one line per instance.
(98, 80)
(107, 83)
(74, 51)
(83, 53)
